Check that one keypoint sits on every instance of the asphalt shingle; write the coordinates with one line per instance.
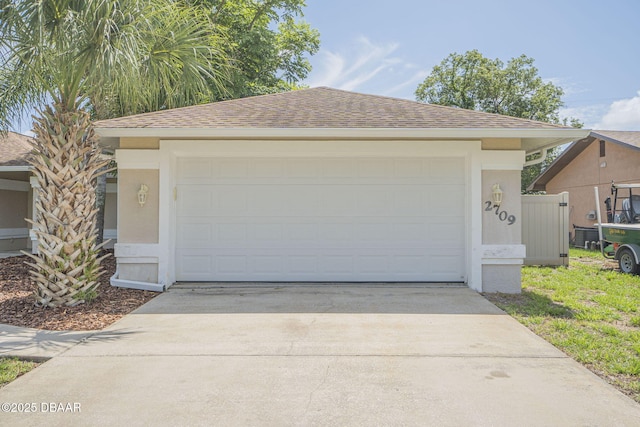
(321, 108)
(14, 149)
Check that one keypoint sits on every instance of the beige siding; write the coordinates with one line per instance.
(137, 224)
(501, 144)
(587, 170)
(140, 143)
(545, 229)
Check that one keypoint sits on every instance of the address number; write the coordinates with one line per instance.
(502, 215)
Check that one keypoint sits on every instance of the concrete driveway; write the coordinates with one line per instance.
(328, 355)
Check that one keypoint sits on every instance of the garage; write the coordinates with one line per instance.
(352, 219)
(322, 185)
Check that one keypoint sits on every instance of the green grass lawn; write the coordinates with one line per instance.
(11, 368)
(589, 310)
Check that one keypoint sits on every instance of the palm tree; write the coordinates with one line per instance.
(74, 59)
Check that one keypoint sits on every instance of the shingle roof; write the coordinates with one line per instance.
(14, 149)
(630, 139)
(321, 108)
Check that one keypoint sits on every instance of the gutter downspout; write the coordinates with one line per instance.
(132, 284)
(544, 152)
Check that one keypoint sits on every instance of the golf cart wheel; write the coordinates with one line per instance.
(627, 261)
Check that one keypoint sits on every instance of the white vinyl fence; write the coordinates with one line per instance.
(545, 229)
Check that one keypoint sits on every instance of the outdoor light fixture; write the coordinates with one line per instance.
(496, 195)
(142, 194)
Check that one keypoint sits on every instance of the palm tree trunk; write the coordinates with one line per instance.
(66, 163)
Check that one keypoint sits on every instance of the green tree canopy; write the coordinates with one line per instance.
(267, 43)
(474, 82)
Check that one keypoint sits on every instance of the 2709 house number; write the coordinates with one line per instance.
(502, 215)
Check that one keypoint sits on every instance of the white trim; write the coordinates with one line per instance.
(503, 160)
(135, 253)
(129, 250)
(474, 223)
(13, 185)
(344, 133)
(167, 216)
(139, 260)
(110, 234)
(336, 148)
(14, 233)
(137, 159)
(503, 254)
(132, 284)
(171, 150)
(15, 168)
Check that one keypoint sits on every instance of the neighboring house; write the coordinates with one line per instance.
(322, 185)
(15, 192)
(597, 160)
(16, 196)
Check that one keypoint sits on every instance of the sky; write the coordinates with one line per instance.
(589, 48)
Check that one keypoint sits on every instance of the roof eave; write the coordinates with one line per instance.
(532, 139)
(559, 163)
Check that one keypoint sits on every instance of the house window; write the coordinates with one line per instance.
(602, 151)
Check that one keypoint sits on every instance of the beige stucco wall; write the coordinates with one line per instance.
(587, 170)
(140, 143)
(494, 230)
(501, 144)
(139, 272)
(501, 230)
(137, 224)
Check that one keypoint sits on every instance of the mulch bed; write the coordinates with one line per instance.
(17, 302)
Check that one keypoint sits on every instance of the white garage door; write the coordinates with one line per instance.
(320, 219)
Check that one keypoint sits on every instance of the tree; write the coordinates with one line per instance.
(474, 82)
(267, 45)
(72, 59)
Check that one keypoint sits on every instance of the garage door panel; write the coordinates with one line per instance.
(446, 171)
(445, 234)
(267, 168)
(342, 233)
(288, 266)
(320, 219)
(193, 201)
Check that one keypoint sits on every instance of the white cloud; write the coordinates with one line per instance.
(410, 83)
(622, 115)
(569, 87)
(351, 68)
(590, 115)
(366, 66)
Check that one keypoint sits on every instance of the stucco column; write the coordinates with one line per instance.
(502, 249)
(35, 191)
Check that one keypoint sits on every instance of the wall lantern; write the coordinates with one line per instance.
(142, 194)
(496, 195)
